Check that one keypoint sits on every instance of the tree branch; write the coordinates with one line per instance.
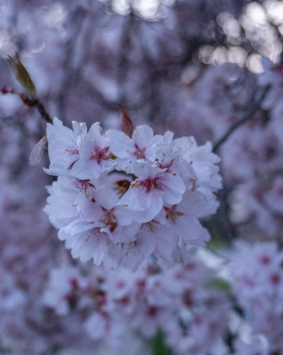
(36, 104)
(41, 109)
(258, 97)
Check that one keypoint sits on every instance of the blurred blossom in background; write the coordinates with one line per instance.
(211, 69)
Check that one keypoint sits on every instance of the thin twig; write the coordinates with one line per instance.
(28, 101)
(258, 97)
(41, 109)
(123, 60)
(74, 27)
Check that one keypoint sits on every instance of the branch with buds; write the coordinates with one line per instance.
(30, 99)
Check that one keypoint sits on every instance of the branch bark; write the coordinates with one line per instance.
(258, 97)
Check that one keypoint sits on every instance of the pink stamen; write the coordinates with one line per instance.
(101, 154)
(139, 153)
(172, 214)
(109, 219)
(72, 151)
(149, 184)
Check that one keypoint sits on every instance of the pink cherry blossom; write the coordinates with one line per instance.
(62, 146)
(142, 145)
(94, 155)
(150, 189)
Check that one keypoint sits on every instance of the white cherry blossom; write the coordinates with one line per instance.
(110, 218)
(62, 146)
(149, 191)
(182, 218)
(94, 155)
(128, 150)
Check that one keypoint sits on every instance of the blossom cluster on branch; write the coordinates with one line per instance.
(178, 302)
(257, 281)
(232, 307)
(120, 198)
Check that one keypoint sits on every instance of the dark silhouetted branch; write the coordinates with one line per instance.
(258, 97)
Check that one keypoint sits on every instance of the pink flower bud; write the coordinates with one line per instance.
(127, 124)
(7, 90)
(27, 101)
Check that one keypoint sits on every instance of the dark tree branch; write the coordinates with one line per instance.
(256, 101)
(41, 109)
(74, 26)
(123, 59)
(36, 104)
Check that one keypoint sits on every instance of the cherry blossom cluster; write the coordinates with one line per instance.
(120, 198)
(195, 308)
(178, 302)
(257, 147)
(257, 282)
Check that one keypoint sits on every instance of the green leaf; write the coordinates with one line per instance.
(220, 284)
(158, 344)
(22, 76)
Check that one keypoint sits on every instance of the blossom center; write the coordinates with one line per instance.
(172, 214)
(139, 153)
(109, 219)
(149, 184)
(122, 186)
(100, 154)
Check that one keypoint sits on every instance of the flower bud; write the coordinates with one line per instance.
(7, 90)
(22, 76)
(27, 101)
(127, 124)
